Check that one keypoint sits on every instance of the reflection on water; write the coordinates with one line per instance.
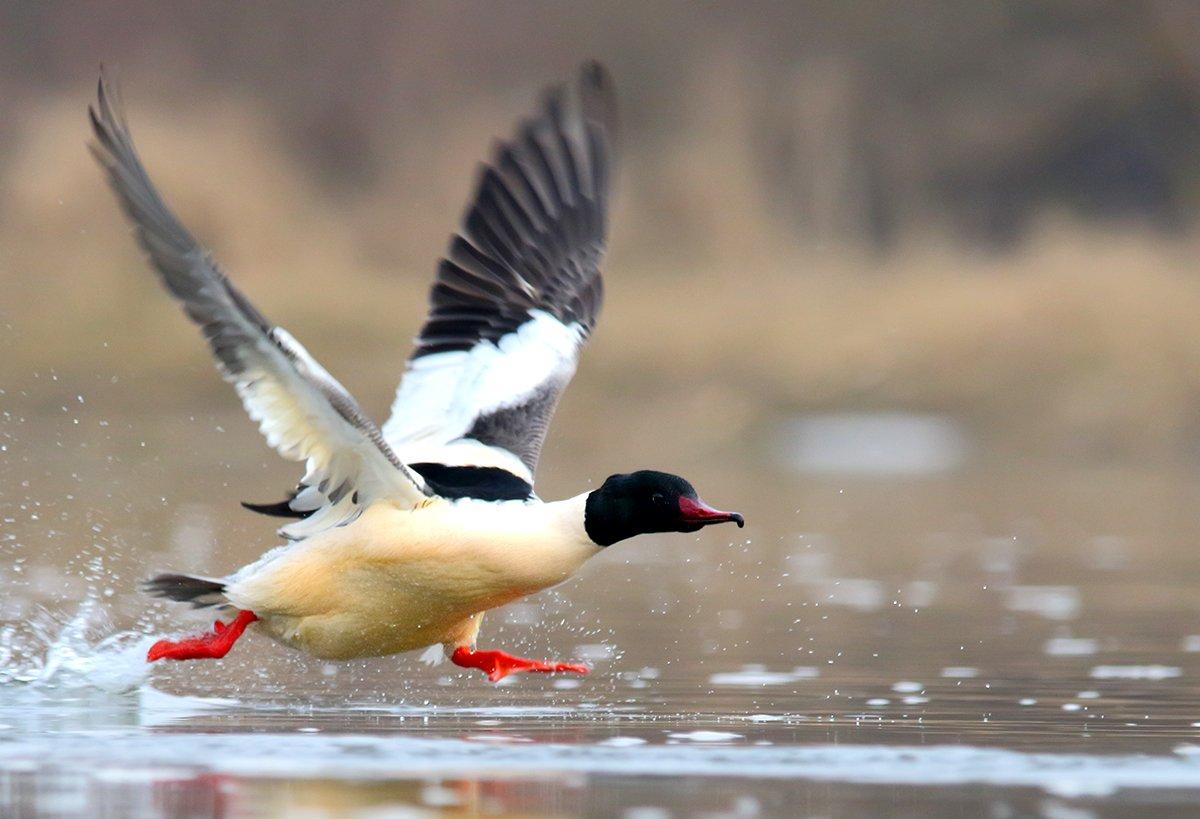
(158, 755)
(929, 635)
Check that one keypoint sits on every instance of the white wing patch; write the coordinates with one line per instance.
(517, 292)
(443, 394)
(300, 411)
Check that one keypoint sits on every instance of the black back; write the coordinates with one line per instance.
(488, 483)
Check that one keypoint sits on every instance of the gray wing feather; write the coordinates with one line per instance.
(303, 411)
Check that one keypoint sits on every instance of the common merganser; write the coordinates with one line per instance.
(404, 536)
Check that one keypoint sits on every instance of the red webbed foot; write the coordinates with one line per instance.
(205, 646)
(498, 665)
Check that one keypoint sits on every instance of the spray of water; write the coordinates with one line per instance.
(52, 654)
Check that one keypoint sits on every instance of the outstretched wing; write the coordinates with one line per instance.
(517, 294)
(305, 414)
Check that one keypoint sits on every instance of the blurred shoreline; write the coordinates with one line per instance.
(1077, 342)
(820, 225)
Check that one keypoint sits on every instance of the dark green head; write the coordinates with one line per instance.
(648, 501)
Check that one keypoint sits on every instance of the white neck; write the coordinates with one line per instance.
(567, 517)
(542, 544)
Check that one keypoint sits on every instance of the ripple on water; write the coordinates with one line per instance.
(695, 753)
(1051, 602)
(960, 672)
(705, 736)
(1135, 672)
(758, 675)
(1070, 646)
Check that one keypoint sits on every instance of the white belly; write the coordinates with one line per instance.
(396, 580)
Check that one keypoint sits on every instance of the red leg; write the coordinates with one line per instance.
(206, 646)
(498, 665)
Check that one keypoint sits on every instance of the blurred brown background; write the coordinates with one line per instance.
(987, 209)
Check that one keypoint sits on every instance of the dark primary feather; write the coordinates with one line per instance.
(534, 233)
(282, 509)
(183, 265)
(531, 240)
(487, 483)
(230, 323)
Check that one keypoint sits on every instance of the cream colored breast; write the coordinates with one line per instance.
(478, 549)
(400, 577)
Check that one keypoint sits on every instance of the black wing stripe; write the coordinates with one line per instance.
(283, 509)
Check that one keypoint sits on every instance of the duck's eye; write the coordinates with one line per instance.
(658, 499)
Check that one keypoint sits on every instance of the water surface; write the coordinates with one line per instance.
(1010, 637)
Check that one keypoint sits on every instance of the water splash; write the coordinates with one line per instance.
(50, 654)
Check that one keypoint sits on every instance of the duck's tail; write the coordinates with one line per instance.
(201, 592)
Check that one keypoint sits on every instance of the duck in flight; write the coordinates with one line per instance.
(402, 537)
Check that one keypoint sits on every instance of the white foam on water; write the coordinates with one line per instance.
(153, 701)
(70, 656)
(382, 757)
